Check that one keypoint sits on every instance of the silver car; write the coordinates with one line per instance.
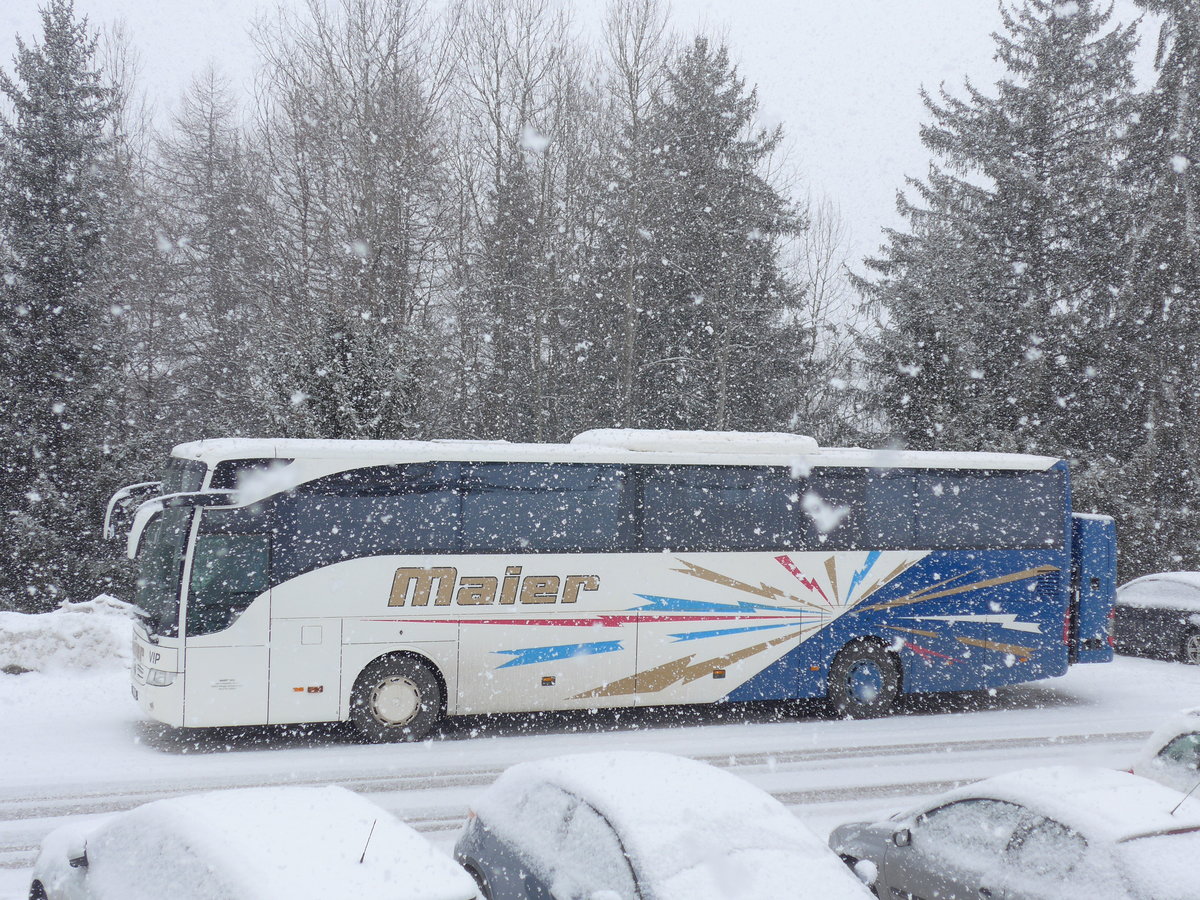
(642, 826)
(1038, 834)
(1171, 755)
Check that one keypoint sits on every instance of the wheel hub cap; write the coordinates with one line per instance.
(865, 682)
(395, 701)
(1193, 648)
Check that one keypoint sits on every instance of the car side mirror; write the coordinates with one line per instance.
(902, 838)
(77, 857)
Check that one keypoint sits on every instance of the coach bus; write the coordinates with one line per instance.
(392, 583)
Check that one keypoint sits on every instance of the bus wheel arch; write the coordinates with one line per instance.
(398, 697)
(865, 679)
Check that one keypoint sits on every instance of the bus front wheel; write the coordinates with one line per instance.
(864, 681)
(396, 698)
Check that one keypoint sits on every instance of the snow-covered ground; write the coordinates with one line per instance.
(72, 745)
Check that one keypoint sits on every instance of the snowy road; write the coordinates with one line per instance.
(71, 747)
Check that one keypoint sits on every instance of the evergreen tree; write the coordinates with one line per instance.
(718, 340)
(991, 302)
(1149, 378)
(52, 228)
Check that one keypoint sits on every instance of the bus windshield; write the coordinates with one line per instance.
(160, 567)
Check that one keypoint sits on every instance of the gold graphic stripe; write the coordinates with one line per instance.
(762, 590)
(919, 596)
(903, 567)
(831, 571)
(679, 670)
(941, 585)
(929, 634)
(1014, 649)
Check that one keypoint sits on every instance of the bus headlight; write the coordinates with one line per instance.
(159, 678)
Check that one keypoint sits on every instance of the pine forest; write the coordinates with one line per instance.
(475, 220)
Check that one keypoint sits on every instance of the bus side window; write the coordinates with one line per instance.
(832, 509)
(410, 508)
(228, 572)
(959, 510)
(890, 510)
(720, 508)
(543, 507)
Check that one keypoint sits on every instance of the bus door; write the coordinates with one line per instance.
(227, 620)
(1093, 587)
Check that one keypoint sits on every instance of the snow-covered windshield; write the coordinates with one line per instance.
(160, 565)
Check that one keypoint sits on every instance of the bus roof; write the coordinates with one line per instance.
(609, 446)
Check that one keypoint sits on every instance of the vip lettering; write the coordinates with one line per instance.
(441, 585)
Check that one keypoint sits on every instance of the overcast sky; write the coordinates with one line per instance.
(842, 76)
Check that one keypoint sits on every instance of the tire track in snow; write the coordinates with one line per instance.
(25, 820)
(91, 803)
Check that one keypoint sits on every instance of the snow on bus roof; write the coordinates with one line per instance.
(612, 446)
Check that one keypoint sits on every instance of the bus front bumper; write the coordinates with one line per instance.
(156, 682)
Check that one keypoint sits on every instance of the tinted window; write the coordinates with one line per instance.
(228, 572)
(231, 565)
(228, 474)
(542, 507)
(720, 508)
(976, 510)
(183, 476)
(160, 570)
(1183, 750)
(367, 512)
(832, 503)
(891, 510)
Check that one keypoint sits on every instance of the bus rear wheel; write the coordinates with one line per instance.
(396, 698)
(864, 681)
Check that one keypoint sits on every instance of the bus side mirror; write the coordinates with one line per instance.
(902, 838)
(122, 500)
(144, 516)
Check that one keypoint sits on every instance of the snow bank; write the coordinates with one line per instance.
(95, 634)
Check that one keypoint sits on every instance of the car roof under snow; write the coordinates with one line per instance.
(1102, 803)
(1186, 721)
(302, 843)
(692, 831)
(1191, 579)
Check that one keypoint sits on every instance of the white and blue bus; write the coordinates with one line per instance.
(391, 583)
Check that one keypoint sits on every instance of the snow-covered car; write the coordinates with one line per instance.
(279, 843)
(1171, 755)
(1159, 616)
(1053, 833)
(642, 826)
